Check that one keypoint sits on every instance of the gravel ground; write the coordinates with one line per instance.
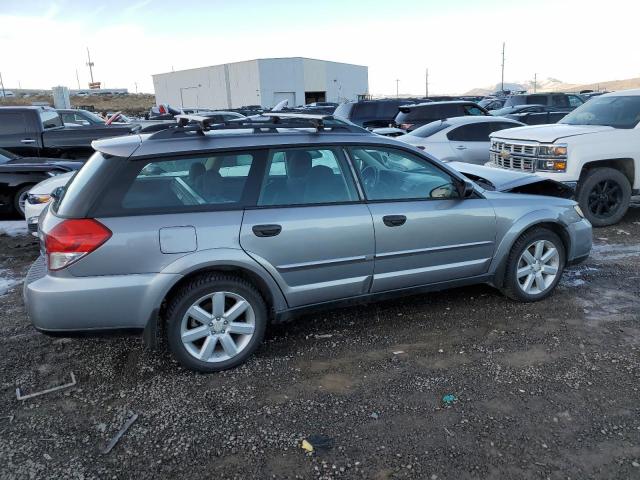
(545, 390)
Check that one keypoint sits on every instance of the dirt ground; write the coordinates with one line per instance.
(543, 391)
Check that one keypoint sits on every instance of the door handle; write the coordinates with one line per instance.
(394, 220)
(27, 141)
(266, 230)
(461, 147)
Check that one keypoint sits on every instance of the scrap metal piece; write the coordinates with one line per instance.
(19, 395)
(112, 443)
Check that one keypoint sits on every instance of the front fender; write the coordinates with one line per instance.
(225, 258)
(515, 230)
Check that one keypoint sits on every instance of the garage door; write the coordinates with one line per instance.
(280, 96)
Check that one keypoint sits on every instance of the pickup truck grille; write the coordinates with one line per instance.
(513, 156)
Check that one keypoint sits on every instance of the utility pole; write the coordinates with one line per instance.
(502, 78)
(397, 88)
(2, 85)
(136, 84)
(90, 65)
(427, 84)
(535, 82)
(78, 79)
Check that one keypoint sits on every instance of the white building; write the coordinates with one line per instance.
(263, 82)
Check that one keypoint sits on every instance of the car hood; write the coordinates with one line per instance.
(501, 180)
(50, 184)
(548, 133)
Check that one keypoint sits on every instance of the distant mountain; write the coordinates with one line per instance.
(555, 85)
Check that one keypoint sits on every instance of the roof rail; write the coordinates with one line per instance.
(263, 123)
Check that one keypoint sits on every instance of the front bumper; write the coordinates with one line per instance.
(580, 241)
(59, 304)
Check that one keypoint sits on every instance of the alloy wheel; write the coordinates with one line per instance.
(605, 198)
(538, 267)
(217, 327)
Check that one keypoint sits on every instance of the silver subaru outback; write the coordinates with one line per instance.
(204, 234)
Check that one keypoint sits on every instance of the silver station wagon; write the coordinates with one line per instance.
(204, 234)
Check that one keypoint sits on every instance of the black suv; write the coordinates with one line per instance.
(560, 101)
(410, 117)
(370, 113)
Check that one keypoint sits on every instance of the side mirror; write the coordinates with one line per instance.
(57, 193)
(465, 189)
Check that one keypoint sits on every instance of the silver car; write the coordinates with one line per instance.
(458, 139)
(206, 234)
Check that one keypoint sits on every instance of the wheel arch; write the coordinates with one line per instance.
(624, 165)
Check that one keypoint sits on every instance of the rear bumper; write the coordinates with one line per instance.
(61, 305)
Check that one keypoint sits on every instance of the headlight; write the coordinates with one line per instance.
(578, 210)
(38, 199)
(550, 165)
(553, 151)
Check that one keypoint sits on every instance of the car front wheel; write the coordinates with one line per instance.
(215, 322)
(534, 266)
(604, 196)
(20, 199)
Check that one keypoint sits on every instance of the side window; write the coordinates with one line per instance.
(575, 101)
(181, 184)
(536, 100)
(12, 124)
(473, 132)
(559, 101)
(471, 110)
(390, 174)
(306, 176)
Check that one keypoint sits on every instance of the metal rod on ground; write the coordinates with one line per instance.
(112, 443)
(19, 395)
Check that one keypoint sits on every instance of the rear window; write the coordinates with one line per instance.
(429, 129)
(428, 113)
(204, 182)
(375, 110)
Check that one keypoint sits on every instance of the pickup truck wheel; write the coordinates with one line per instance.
(215, 322)
(604, 195)
(20, 199)
(534, 266)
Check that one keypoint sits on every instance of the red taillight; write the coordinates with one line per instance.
(71, 240)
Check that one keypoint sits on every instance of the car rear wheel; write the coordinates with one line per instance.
(20, 199)
(604, 195)
(215, 322)
(534, 266)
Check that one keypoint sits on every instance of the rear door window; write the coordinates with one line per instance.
(559, 101)
(575, 101)
(12, 123)
(473, 132)
(306, 176)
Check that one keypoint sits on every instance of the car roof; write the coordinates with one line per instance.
(477, 119)
(623, 93)
(143, 145)
(445, 102)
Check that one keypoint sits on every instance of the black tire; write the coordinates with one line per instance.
(604, 195)
(511, 287)
(16, 199)
(190, 293)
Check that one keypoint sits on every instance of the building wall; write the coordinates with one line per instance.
(264, 82)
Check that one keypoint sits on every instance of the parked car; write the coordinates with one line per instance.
(208, 234)
(595, 149)
(40, 132)
(492, 103)
(19, 174)
(532, 114)
(463, 139)
(370, 113)
(41, 195)
(410, 117)
(561, 101)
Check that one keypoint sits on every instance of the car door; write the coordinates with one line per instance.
(18, 134)
(310, 229)
(425, 233)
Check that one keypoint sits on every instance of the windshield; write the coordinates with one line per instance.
(616, 112)
(5, 156)
(429, 129)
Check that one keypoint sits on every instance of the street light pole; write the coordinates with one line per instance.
(502, 80)
(397, 88)
(2, 85)
(427, 84)
(90, 65)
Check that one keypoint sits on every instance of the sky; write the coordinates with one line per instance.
(43, 43)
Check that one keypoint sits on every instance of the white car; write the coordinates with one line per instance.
(595, 149)
(461, 139)
(40, 196)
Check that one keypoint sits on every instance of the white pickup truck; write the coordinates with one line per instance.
(595, 149)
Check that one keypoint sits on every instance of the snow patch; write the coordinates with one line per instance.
(7, 281)
(14, 228)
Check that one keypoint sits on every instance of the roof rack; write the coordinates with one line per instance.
(268, 122)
